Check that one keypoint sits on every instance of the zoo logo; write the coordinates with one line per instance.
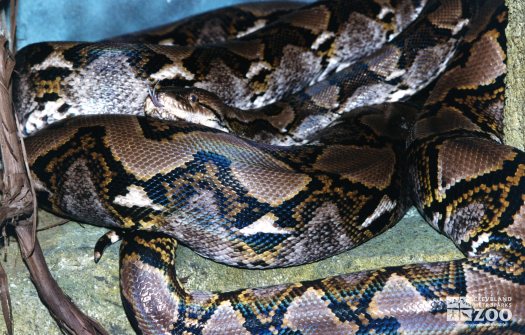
(458, 309)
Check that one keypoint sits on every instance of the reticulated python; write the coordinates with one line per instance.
(257, 205)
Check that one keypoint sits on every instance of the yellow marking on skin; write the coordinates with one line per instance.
(517, 228)
(166, 253)
(266, 296)
(474, 73)
(325, 189)
(47, 87)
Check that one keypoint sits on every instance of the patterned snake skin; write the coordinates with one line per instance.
(213, 178)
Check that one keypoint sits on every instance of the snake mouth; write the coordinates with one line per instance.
(167, 104)
(153, 96)
(182, 104)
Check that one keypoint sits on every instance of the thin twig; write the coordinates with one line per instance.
(5, 300)
(32, 187)
(61, 222)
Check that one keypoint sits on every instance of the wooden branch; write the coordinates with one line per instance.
(18, 207)
(67, 315)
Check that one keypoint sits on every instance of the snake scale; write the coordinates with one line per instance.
(323, 79)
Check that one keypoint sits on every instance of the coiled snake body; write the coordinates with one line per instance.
(351, 172)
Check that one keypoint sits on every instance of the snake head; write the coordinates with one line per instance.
(190, 104)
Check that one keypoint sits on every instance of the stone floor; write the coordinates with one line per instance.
(94, 287)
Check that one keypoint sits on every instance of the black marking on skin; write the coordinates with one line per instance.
(34, 53)
(48, 97)
(92, 134)
(202, 57)
(427, 286)
(457, 190)
(177, 82)
(456, 98)
(156, 130)
(260, 78)
(261, 242)
(151, 257)
(51, 73)
(252, 128)
(271, 110)
(80, 54)
(62, 109)
(284, 36)
(389, 17)
(341, 309)
(325, 46)
(154, 63)
(156, 189)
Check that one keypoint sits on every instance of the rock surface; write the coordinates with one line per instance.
(94, 287)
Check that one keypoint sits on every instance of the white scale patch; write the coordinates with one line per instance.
(384, 12)
(113, 237)
(321, 39)
(136, 197)
(435, 220)
(368, 95)
(167, 41)
(256, 26)
(172, 71)
(310, 125)
(265, 224)
(256, 68)
(483, 238)
(395, 74)
(36, 121)
(400, 94)
(385, 205)
(460, 25)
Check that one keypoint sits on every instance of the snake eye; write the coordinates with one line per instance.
(193, 98)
